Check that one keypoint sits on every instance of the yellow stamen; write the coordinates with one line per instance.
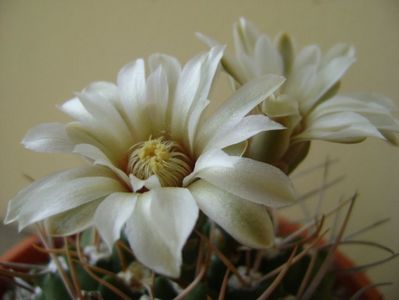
(161, 157)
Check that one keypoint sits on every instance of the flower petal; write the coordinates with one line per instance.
(159, 227)
(74, 220)
(212, 159)
(107, 118)
(245, 35)
(252, 180)
(112, 214)
(243, 130)
(157, 99)
(268, 57)
(309, 55)
(328, 75)
(16, 204)
(99, 158)
(192, 91)
(248, 222)
(48, 137)
(150, 183)
(54, 196)
(343, 127)
(132, 87)
(170, 65)
(81, 135)
(75, 109)
(230, 64)
(237, 106)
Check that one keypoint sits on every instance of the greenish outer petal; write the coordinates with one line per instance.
(248, 222)
(74, 220)
(159, 227)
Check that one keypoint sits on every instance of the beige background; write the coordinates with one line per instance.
(50, 49)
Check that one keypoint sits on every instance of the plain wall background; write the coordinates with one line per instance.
(50, 49)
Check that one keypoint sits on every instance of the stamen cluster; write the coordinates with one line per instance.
(161, 157)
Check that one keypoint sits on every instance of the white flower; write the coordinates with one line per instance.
(156, 160)
(306, 103)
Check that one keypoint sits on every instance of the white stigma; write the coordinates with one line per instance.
(161, 157)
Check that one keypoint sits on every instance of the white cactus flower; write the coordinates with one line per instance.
(307, 103)
(156, 160)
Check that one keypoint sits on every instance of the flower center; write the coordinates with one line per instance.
(161, 157)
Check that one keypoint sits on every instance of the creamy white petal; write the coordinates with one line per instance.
(243, 130)
(112, 214)
(338, 50)
(82, 135)
(245, 35)
(326, 78)
(132, 89)
(193, 121)
(299, 84)
(341, 103)
(237, 106)
(110, 92)
(76, 110)
(66, 195)
(268, 57)
(172, 68)
(252, 180)
(375, 98)
(157, 99)
(95, 128)
(150, 183)
(378, 113)
(247, 66)
(107, 118)
(48, 137)
(99, 158)
(106, 90)
(159, 227)
(186, 90)
(192, 89)
(16, 204)
(229, 63)
(309, 55)
(344, 127)
(214, 158)
(211, 42)
(73, 221)
(249, 223)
